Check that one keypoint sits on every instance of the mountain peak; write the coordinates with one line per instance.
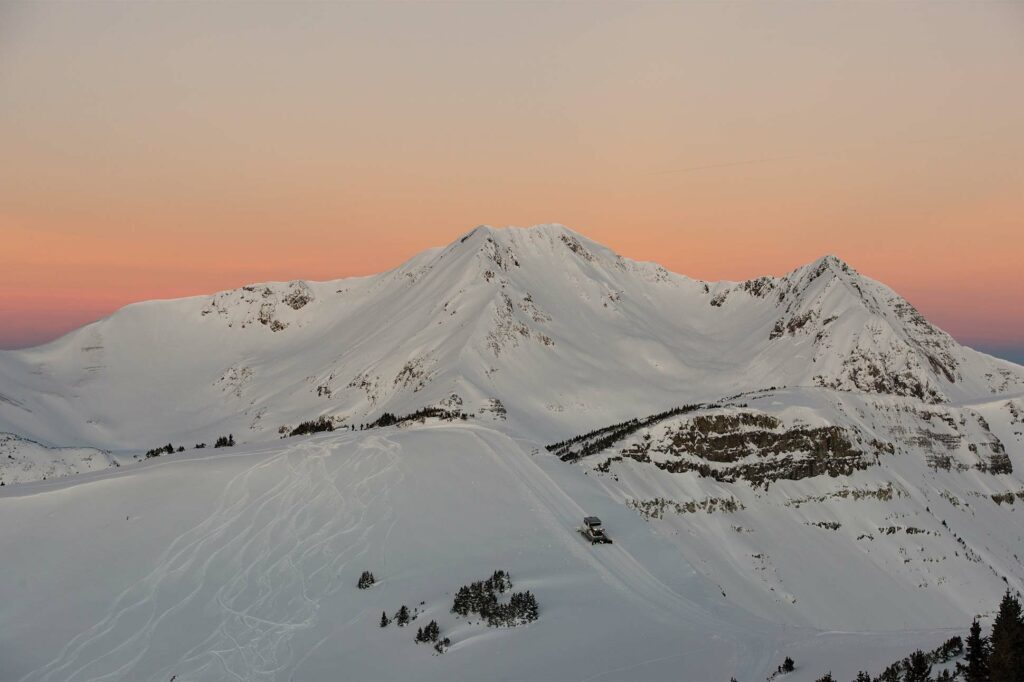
(828, 262)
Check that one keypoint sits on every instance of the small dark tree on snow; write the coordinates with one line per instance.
(431, 632)
(442, 645)
(862, 676)
(384, 620)
(402, 617)
(787, 666)
(366, 580)
(419, 636)
(975, 665)
(1006, 662)
(827, 677)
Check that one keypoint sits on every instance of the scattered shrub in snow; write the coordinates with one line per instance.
(366, 580)
(442, 645)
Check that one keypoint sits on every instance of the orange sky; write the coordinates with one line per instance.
(160, 149)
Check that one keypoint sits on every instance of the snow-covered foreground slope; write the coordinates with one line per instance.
(243, 565)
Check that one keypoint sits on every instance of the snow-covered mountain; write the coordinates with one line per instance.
(788, 465)
(565, 334)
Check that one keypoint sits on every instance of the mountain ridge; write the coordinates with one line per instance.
(462, 320)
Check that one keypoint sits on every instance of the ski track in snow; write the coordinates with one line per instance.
(620, 570)
(250, 576)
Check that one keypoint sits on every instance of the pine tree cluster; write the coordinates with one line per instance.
(603, 438)
(225, 441)
(430, 633)
(420, 415)
(156, 452)
(481, 597)
(313, 426)
(366, 580)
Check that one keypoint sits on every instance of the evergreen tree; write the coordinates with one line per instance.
(384, 620)
(975, 665)
(431, 632)
(862, 676)
(787, 666)
(419, 636)
(891, 674)
(1006, 663)
(461, 604)
(917, 667)
(402, 617)
(366, 580)
(827, 677)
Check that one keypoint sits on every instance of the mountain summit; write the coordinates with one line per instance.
(560, 330)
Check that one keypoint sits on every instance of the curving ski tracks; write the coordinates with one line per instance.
(248, 578)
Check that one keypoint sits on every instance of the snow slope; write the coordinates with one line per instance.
(248, 570)
(842, 483)
(23, 460)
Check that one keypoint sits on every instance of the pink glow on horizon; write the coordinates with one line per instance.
(157, 150)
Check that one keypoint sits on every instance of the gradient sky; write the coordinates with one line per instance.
(152, 150)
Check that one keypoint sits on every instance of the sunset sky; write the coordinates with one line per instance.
(153, 150)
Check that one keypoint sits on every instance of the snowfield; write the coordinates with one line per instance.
(243, 565)
(797, 465)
